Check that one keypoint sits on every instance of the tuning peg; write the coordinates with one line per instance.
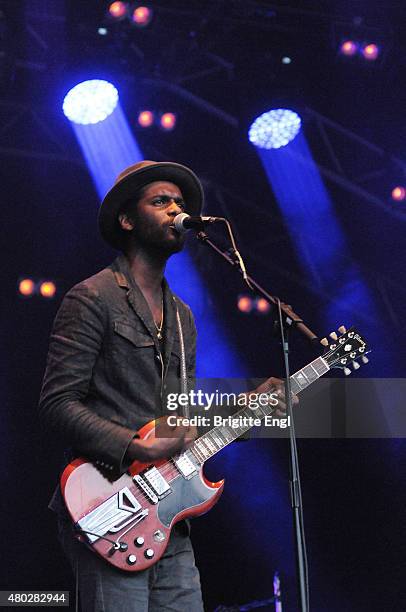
(347, 371)
(324, 341)
(356, 365)
(364, 359)
(342, 329)
(333, 336)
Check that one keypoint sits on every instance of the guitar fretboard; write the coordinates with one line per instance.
(217, 438)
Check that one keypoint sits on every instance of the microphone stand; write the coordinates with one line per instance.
(287, 319)
(291, 318)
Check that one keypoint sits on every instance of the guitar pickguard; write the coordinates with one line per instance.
(185, 494)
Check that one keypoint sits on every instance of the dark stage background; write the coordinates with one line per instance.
(225, 56)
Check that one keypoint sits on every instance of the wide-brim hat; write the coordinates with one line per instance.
(134, 178)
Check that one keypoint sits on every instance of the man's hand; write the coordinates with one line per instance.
(164, 442)
(275, 385)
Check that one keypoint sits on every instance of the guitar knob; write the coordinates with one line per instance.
(347, 371)
(131, 559)
(139, 541)
(342, 329)
(324, 341)
(333, 336)
(356, 365)
(364, 359)
(149, 553)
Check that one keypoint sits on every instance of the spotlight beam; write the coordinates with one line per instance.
(314, 228)
(109, 146)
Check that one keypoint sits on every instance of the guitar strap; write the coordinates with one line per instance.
(183, 371)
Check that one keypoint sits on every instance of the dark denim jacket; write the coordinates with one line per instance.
(105, 376)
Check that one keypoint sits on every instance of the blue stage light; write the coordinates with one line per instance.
(90, 101)
(275, 129)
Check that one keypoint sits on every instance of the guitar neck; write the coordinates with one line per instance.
(217, 438)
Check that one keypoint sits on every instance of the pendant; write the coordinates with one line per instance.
(159, 334)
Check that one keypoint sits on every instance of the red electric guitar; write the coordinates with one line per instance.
(128, 521)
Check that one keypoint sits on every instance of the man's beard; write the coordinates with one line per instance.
(156, 241)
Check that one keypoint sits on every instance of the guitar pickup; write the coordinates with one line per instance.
(185, 466)
(157, 482)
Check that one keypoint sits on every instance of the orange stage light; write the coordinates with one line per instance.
(26, 287)
(244, 303)
(118, 9)
(146, 118)
(168, 121)
(47, 289)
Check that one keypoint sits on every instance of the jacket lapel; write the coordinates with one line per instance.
(135, 296)
(140, 306)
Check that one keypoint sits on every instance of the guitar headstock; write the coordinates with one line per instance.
(345, 350)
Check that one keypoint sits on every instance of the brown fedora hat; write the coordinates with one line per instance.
(133, 178)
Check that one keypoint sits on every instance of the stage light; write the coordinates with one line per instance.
(146, 118)
(118, 10)
(245, 303)
(47, 289)
(142, 16)
(102, 31)
(262, 305)
(370, 51)
(398, 194)
(168, 121)
(286, 60)
(275, 129)
(348, 47)
(26, 287)
(90, 102)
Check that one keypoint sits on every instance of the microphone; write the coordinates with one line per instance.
(184, 222)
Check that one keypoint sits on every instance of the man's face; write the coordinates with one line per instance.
(151, 223)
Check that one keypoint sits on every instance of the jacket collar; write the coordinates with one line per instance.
(138, 303)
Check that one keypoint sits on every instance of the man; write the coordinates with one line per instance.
(115, 350)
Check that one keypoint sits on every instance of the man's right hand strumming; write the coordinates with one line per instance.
(166, 441)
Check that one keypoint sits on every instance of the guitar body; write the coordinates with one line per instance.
(138, 510)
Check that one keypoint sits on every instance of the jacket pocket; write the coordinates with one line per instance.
(137, 337)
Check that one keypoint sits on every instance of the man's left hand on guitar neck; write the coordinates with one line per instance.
(274, 385)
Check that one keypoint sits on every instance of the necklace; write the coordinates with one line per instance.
(160, 326)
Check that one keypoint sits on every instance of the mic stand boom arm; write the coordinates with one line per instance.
(289, 321)
(291, 318)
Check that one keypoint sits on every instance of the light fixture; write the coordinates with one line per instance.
(146, 118)
(26, 287)
(275, 128)
(142, 16)
(118, 10)
(90, 101)
(168, 121)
